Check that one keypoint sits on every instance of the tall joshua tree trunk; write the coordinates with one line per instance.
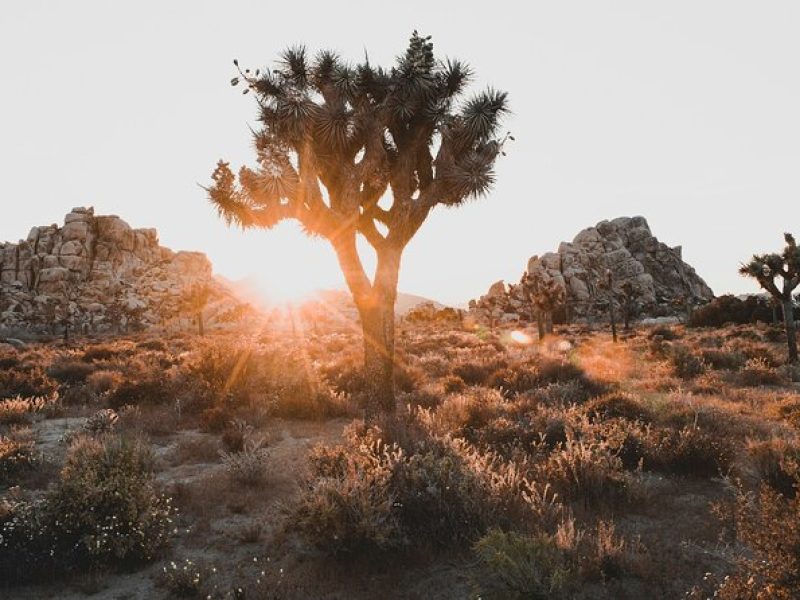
(788, 323)
(376, 310)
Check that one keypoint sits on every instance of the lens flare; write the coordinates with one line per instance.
(520, 337)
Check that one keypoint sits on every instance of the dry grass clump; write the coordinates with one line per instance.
(248, 465)
(619, 405)
(104, 381)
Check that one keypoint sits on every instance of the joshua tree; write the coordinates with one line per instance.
(544, 294)
(630, 303)
(765, 268)
(609, 285)
(358, 150)
(195, 300)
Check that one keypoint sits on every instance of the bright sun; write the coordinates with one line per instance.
(286, 266)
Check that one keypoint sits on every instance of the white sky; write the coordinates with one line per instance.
(686, 112)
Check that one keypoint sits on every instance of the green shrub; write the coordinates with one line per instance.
(103, 511)
(512, 566)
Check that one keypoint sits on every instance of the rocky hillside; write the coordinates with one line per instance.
(648, 275)
(96, 272)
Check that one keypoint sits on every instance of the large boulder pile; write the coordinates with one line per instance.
(646, 272)
(94, 265)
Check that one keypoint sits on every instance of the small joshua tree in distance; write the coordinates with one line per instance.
(766, 268)
(358, 150)
(195, 301)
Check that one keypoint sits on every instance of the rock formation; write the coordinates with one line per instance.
(97, 272)
(646, 273)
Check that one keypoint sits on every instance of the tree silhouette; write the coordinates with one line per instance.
(337, 140)
(766, 268)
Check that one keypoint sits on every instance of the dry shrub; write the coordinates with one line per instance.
(453, 384)
(367, 496)
(619, 405)
(664, 332)
(70, 371)
(685, 363)
(154, 389)
(768, 523)
(587, 470)
(26, 380)
(249, 465)
(513, 566)
(687, 451)
(718, 358)
(104, 382)
(776, 462)
(17, 454)
(757, 372)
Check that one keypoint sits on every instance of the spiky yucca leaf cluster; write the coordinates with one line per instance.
(765, 268)
(336, 137)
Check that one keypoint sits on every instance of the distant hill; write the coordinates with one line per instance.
(247, 290)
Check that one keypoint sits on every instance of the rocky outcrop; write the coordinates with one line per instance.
(645, 273)
(95, 265)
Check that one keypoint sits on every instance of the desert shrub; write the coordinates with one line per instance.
(102, 422)
(515, 379)
(154, 345)
(214, 419)
(471, 409)
(768, 523)
(18, 411)
(512, 566)
(367, 496)
(15, 411)
(103, 352)
(154, 389)
(685, 363)
(70, 371)
(687, 451)
(757, 372)
(310, 400)
(564, 394)
(453, 383)
(248, 465)
(730, 309)
(103, 511)
(16, 455)
(103, 382)
(663, 332)
(588, 470)
(718, 358)
(619, 405)
(474, 372)
(184, 579)
(9, 360)
(26, 380)
(777, 463)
